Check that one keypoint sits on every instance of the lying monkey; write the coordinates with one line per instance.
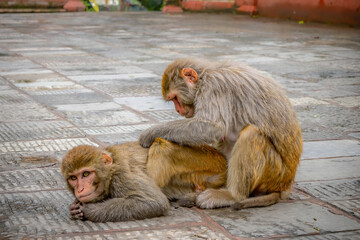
(123, 182)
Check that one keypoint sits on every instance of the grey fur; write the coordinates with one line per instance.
(133, 195)
(228, 97)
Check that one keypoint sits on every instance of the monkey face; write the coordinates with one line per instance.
(186, 110)
(84, 182)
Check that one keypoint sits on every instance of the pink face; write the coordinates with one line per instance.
(82, 180)
(183, 109)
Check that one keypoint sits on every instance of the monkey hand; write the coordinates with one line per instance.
(147, 138)
(76, 210)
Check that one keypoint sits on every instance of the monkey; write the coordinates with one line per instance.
(244, 114)
(182, 172)
(128, 182)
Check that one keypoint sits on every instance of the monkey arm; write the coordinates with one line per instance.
(192, 132)
(134, 207)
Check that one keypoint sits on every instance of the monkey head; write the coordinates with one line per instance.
(180, 84)
(87, 172)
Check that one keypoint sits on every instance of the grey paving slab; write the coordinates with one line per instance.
(191, 232)
(88, 107)
(43, 145)
(351, 235)
(164, 116)
(25, 112)
(31, 180)
(82, 118)
(115, 129)
(79, 97)
(289, 219)
(136, 87)
(152, 103)
(344, 194)
(71, 79)
(41, 213)
(8, 96)
(348, 101)
(328, 169)
(329, 149)
(330, 116)
(59, 91)
(111, 139)
(29, 160)
(355, 135)
(314, 132)
(37, 130)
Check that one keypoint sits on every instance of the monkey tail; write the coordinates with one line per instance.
(260, 201)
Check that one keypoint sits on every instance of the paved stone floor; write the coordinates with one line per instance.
(68, 79)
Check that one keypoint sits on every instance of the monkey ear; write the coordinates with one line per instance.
(107, 159)
(190, 75)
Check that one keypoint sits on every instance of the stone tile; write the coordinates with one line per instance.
(348, 101)
(330, 117)
(9, 96)
(103, 118)
(153, 103)
(43, 145)
(355, 135)
(115, 129)
(191, 232)
(287, 219)
(328, 169)
(42, 213)
(24, 112)
(331, 149)
(26, 71)
(125, 76)
(134, 89)
(11, 161)
(37, 130)
(31, 180)
(306, 101)
(36, 86)
(344, 194)
(353, 235)
(53, 90)
(77, 98)
(164, 116)
(112, 139)
(315, 132)
(88, 107)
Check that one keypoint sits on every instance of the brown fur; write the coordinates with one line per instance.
(130, 193)
(243, 113)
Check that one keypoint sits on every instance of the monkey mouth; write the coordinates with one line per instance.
(85, 196)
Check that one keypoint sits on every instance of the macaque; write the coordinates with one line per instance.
(246, 116)
(116, 184)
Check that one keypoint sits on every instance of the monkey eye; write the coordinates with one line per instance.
(86, 173)
(73, 178)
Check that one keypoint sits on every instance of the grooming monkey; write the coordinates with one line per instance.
(120, 182)
(244, 114)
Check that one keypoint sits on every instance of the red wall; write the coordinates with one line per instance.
(32, 3)
(327, 11)
(333, 11)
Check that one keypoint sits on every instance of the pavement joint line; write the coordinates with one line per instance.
(212, 223)
(326, 180)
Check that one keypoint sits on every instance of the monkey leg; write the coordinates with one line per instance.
(194, 168)
(255, 167)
